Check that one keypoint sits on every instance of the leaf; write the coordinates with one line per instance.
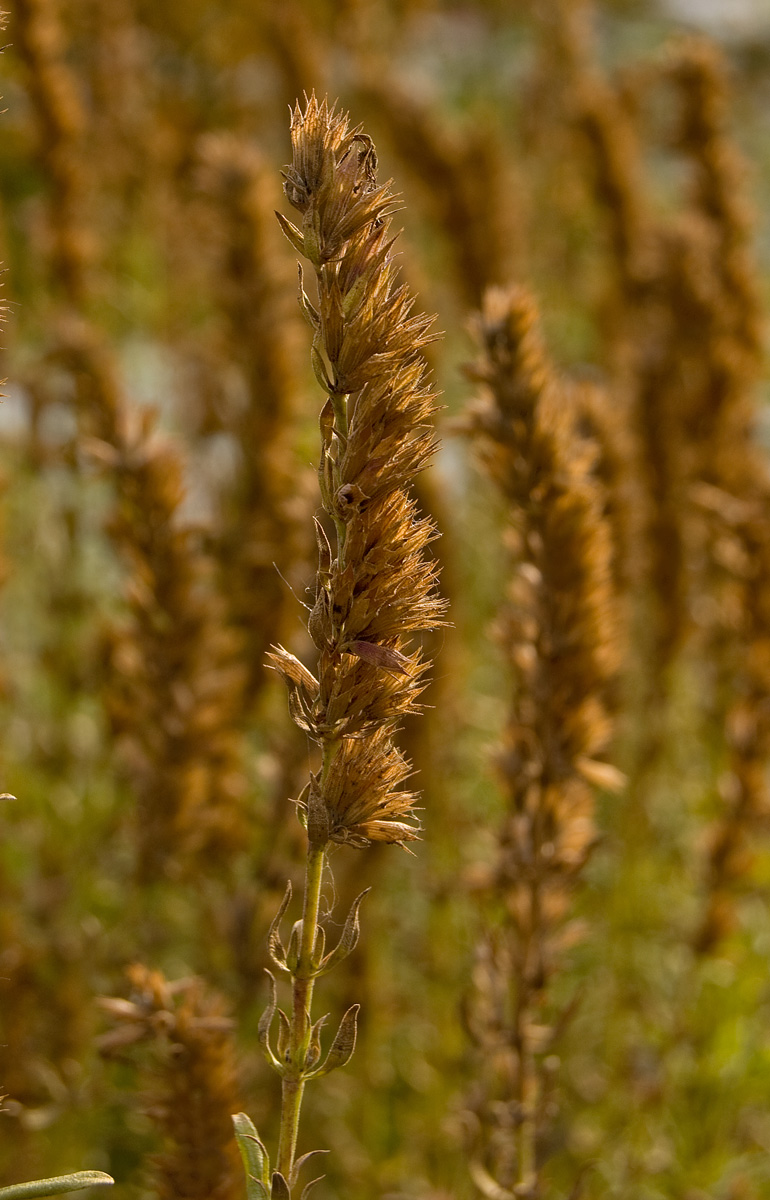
(274, 943)
(284, 1037)
(313, 1182)
(266, 1020)
(299, 1164)
(256, 1162)
(341, 1049)
(294, 672)
(319, 946)
(324, 549)
(280, 1189)
(348, 938)
(314, 1043)
(309, 312)
(56, 1185)
(295, 940)
(379, 656)
(488, 1186)
(292, 233)
(319, 368)
(601, 774)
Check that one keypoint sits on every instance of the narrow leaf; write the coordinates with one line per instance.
(308, 1186)
(319, 946)
(256, 1162)
(309, 312)
(56, 1185)
(292, 953)
(298, 1165)
(348, 938)
(487, 1185)
(274, 943)
(292, 233)
(322, 541)
(314, 1044)
(284, 1036)
(380, 656)
(319, 369)
(266, 1020)
(341, 1049)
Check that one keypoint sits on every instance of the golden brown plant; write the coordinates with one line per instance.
(60, 122)
(684, 334)
(726, 294)
(173, 688)
(597, 418)
(559, 635)
(375, 583)
(731, 488)
(191, 1082)
(173, 684)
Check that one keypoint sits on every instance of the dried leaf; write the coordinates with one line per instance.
(284, 1037)
(274, 943)
(292, 233)
(309, 312)
(307, 1188)
(266, 1020)
(341, 1049)
(348, 938)
(299, 1164)
(280, 1189)
(603, 775)
(379, 656)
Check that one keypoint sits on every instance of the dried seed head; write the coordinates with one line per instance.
(375, 587)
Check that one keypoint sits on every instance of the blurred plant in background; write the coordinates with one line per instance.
(605, 950)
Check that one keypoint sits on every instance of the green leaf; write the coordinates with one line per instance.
(256, 1162)
(56, 1185)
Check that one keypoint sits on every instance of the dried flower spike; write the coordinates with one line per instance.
(375, 585)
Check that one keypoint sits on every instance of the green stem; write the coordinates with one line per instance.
(294, 1084)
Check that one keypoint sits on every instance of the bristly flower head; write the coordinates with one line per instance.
(375, 583)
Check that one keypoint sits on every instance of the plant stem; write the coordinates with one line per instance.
(294, 1085)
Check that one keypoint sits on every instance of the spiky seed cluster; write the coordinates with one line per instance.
(561, 626)
(375, 583)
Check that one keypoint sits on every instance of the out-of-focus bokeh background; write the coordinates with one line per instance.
(157, 440)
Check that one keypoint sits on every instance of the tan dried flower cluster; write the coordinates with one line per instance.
(375, 585)
(559, 633)
(193, 1085)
